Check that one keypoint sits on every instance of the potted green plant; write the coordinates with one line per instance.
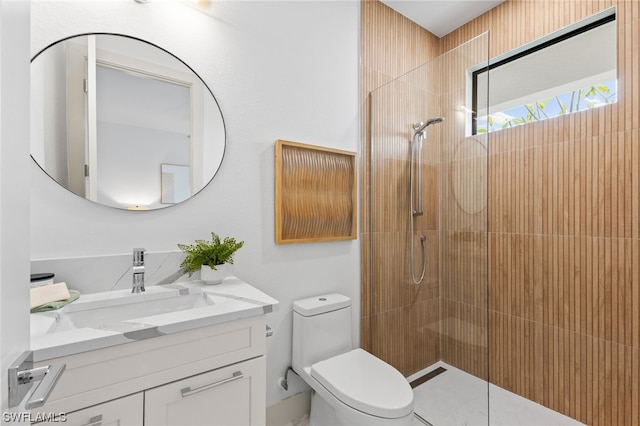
(210, 257)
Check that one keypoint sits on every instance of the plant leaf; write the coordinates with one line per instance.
(212, 253)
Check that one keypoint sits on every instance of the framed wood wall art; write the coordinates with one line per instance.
(315, 191)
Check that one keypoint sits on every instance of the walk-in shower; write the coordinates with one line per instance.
(415, 185)
(433, 316)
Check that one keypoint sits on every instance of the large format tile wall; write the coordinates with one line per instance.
(402, 312)
(445, 317)
(463, 211)
(564, 232)
(563, 221)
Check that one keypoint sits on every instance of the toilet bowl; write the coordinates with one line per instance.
(350, 386)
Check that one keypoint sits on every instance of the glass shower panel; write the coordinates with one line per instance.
(404, 328)
(441, 323)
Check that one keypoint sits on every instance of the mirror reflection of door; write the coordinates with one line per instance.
(142, 119)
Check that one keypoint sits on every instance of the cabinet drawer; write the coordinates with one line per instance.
(233, 395)
(125, 411)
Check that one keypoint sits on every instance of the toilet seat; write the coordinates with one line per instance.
(366, 383)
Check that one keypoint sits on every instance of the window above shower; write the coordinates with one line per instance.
(571, 70)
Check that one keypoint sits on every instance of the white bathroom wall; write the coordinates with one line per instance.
(14, 199)
(279, 70)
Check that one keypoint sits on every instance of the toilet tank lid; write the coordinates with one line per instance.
(321, 304)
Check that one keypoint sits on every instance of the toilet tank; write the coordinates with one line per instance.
(321, 329)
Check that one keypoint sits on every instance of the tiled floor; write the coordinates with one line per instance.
(457, 398)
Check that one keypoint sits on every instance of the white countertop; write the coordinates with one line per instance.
(232, 299)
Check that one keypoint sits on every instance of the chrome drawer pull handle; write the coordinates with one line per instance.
(188, 391)
(94, 421)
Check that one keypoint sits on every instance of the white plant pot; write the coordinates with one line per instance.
(214, 276)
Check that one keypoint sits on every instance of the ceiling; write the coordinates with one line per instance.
(440, 17)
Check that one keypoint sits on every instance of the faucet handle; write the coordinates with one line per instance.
(138, 270)
(138, 256)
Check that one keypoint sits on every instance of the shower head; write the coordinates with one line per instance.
(434, 120)
(419, 127)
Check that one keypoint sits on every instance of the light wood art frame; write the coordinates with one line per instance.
(315, 193)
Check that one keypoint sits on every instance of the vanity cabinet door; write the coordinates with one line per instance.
(126, 411)
(232, 395)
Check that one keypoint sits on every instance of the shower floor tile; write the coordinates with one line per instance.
(457, 398)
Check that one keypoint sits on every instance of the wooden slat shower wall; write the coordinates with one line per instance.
(564, 229)
(463, 211)
(404, 316)
(445, 317)
(564, 232)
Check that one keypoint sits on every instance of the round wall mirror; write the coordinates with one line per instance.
(123, 123)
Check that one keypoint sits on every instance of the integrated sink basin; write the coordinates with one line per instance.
(108, 311)
(101, 320)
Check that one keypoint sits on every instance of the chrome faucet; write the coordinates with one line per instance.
(138, 270)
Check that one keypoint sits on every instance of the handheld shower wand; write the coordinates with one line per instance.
(415, 175)
(419, 135)
(419, 127)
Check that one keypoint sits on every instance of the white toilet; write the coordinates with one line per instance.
(351, 386)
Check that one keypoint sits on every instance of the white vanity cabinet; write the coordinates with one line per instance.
(222, 397)
(212, 375)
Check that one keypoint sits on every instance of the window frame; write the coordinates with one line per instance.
(595, 21)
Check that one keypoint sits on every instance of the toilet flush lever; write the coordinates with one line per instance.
(22, 375)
